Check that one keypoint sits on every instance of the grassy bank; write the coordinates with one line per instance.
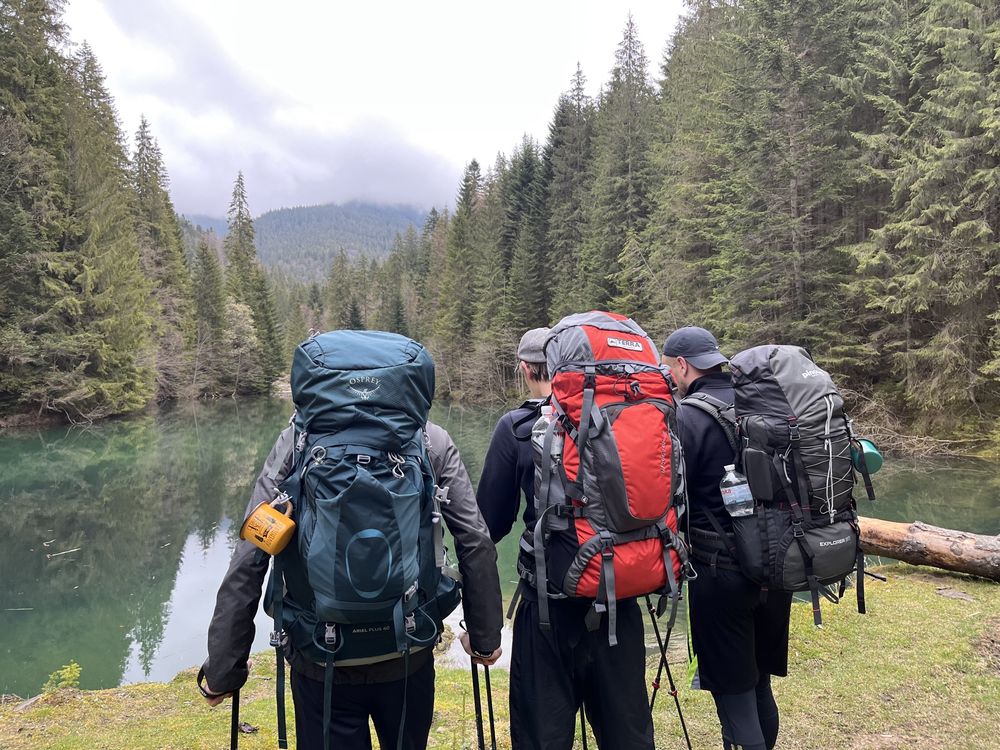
(922, 669)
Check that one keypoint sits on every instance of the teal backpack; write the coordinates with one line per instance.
(365, 575)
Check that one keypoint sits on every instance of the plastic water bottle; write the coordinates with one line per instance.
(736, 495)
(539, 429)
(540, 426)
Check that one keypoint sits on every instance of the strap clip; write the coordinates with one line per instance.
(330, 634)
(278, 638)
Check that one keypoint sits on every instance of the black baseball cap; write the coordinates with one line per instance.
(696, 345)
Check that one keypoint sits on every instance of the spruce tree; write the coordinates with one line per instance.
(453, 321)
(522, 242)
(693, 152)
(33, 197)
(338, 292)
(103, 340)
(210, 311)
(623, 175)
(932, 261)
(568, 155)
(247, 284)
(164, 263)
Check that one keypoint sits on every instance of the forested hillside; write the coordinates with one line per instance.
(820, 173)
(303, 241)
(101, 309)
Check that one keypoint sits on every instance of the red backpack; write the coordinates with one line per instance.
(607, 469)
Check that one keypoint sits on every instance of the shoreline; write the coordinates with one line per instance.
(922, 668)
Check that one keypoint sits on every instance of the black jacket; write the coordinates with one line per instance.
(509, 472)
(706, 452)
(231, 632)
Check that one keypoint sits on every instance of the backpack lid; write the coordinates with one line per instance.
(597, 337)
(378, 382)
(780, 380)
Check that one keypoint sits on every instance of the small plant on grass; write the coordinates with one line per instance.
(67, 676)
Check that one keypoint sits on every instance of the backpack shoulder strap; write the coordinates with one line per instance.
(535, 410)
(720, 411)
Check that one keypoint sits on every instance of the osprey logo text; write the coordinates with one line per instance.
(812, 373)
(635, 346)
(364, 387)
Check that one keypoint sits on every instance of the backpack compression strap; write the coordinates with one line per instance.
(278, 639)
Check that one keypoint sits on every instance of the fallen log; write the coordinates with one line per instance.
(922, 544)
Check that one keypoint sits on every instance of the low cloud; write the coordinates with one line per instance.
(212, 121)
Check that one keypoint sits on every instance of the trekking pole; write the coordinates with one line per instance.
(663, 656)
(665, 664)
(489, 708)
(234, 727)
(477, 701)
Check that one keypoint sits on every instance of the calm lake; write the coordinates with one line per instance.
(116, 536)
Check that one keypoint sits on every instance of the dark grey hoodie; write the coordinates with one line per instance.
(231, 632)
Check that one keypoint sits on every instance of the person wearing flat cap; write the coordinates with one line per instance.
(549, 668)
(739, 638)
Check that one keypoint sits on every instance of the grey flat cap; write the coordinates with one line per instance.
(696, 345)
(532, 346)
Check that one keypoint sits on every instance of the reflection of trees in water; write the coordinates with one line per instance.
(128, 493)
(956, 494)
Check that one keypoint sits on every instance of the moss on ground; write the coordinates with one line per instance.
(921, 669)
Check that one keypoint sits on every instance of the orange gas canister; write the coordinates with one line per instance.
(268, 528)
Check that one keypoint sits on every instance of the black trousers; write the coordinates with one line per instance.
(352, 705)
(736, 636)
(554, 672)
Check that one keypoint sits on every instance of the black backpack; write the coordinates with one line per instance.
(792, 440)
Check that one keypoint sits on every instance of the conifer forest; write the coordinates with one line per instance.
(821, 173)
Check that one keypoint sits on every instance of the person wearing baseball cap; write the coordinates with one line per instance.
(692, 353)
(739, 639)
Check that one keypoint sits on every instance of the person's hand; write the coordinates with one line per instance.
(215, 699)
(486, 661)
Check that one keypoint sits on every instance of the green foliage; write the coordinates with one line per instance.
(817, 173)
(301, 242)
(164, 263)
(67, 676)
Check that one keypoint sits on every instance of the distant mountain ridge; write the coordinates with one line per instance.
(302, 241)
(207, 223)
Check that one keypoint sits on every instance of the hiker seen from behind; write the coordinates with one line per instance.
(739, 638)
(360, 592)
(597, 391)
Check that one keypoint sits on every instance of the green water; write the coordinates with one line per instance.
(148, 504)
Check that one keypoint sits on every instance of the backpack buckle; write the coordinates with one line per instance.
(278, 638)
(797, 531)
(330, 634)
(410, 623)
(364, 459)
(793, 428)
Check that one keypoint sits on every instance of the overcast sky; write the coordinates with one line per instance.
(329, 101)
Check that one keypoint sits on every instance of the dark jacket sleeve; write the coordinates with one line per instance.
(477, 557)
(231, 632)
(499, 491)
